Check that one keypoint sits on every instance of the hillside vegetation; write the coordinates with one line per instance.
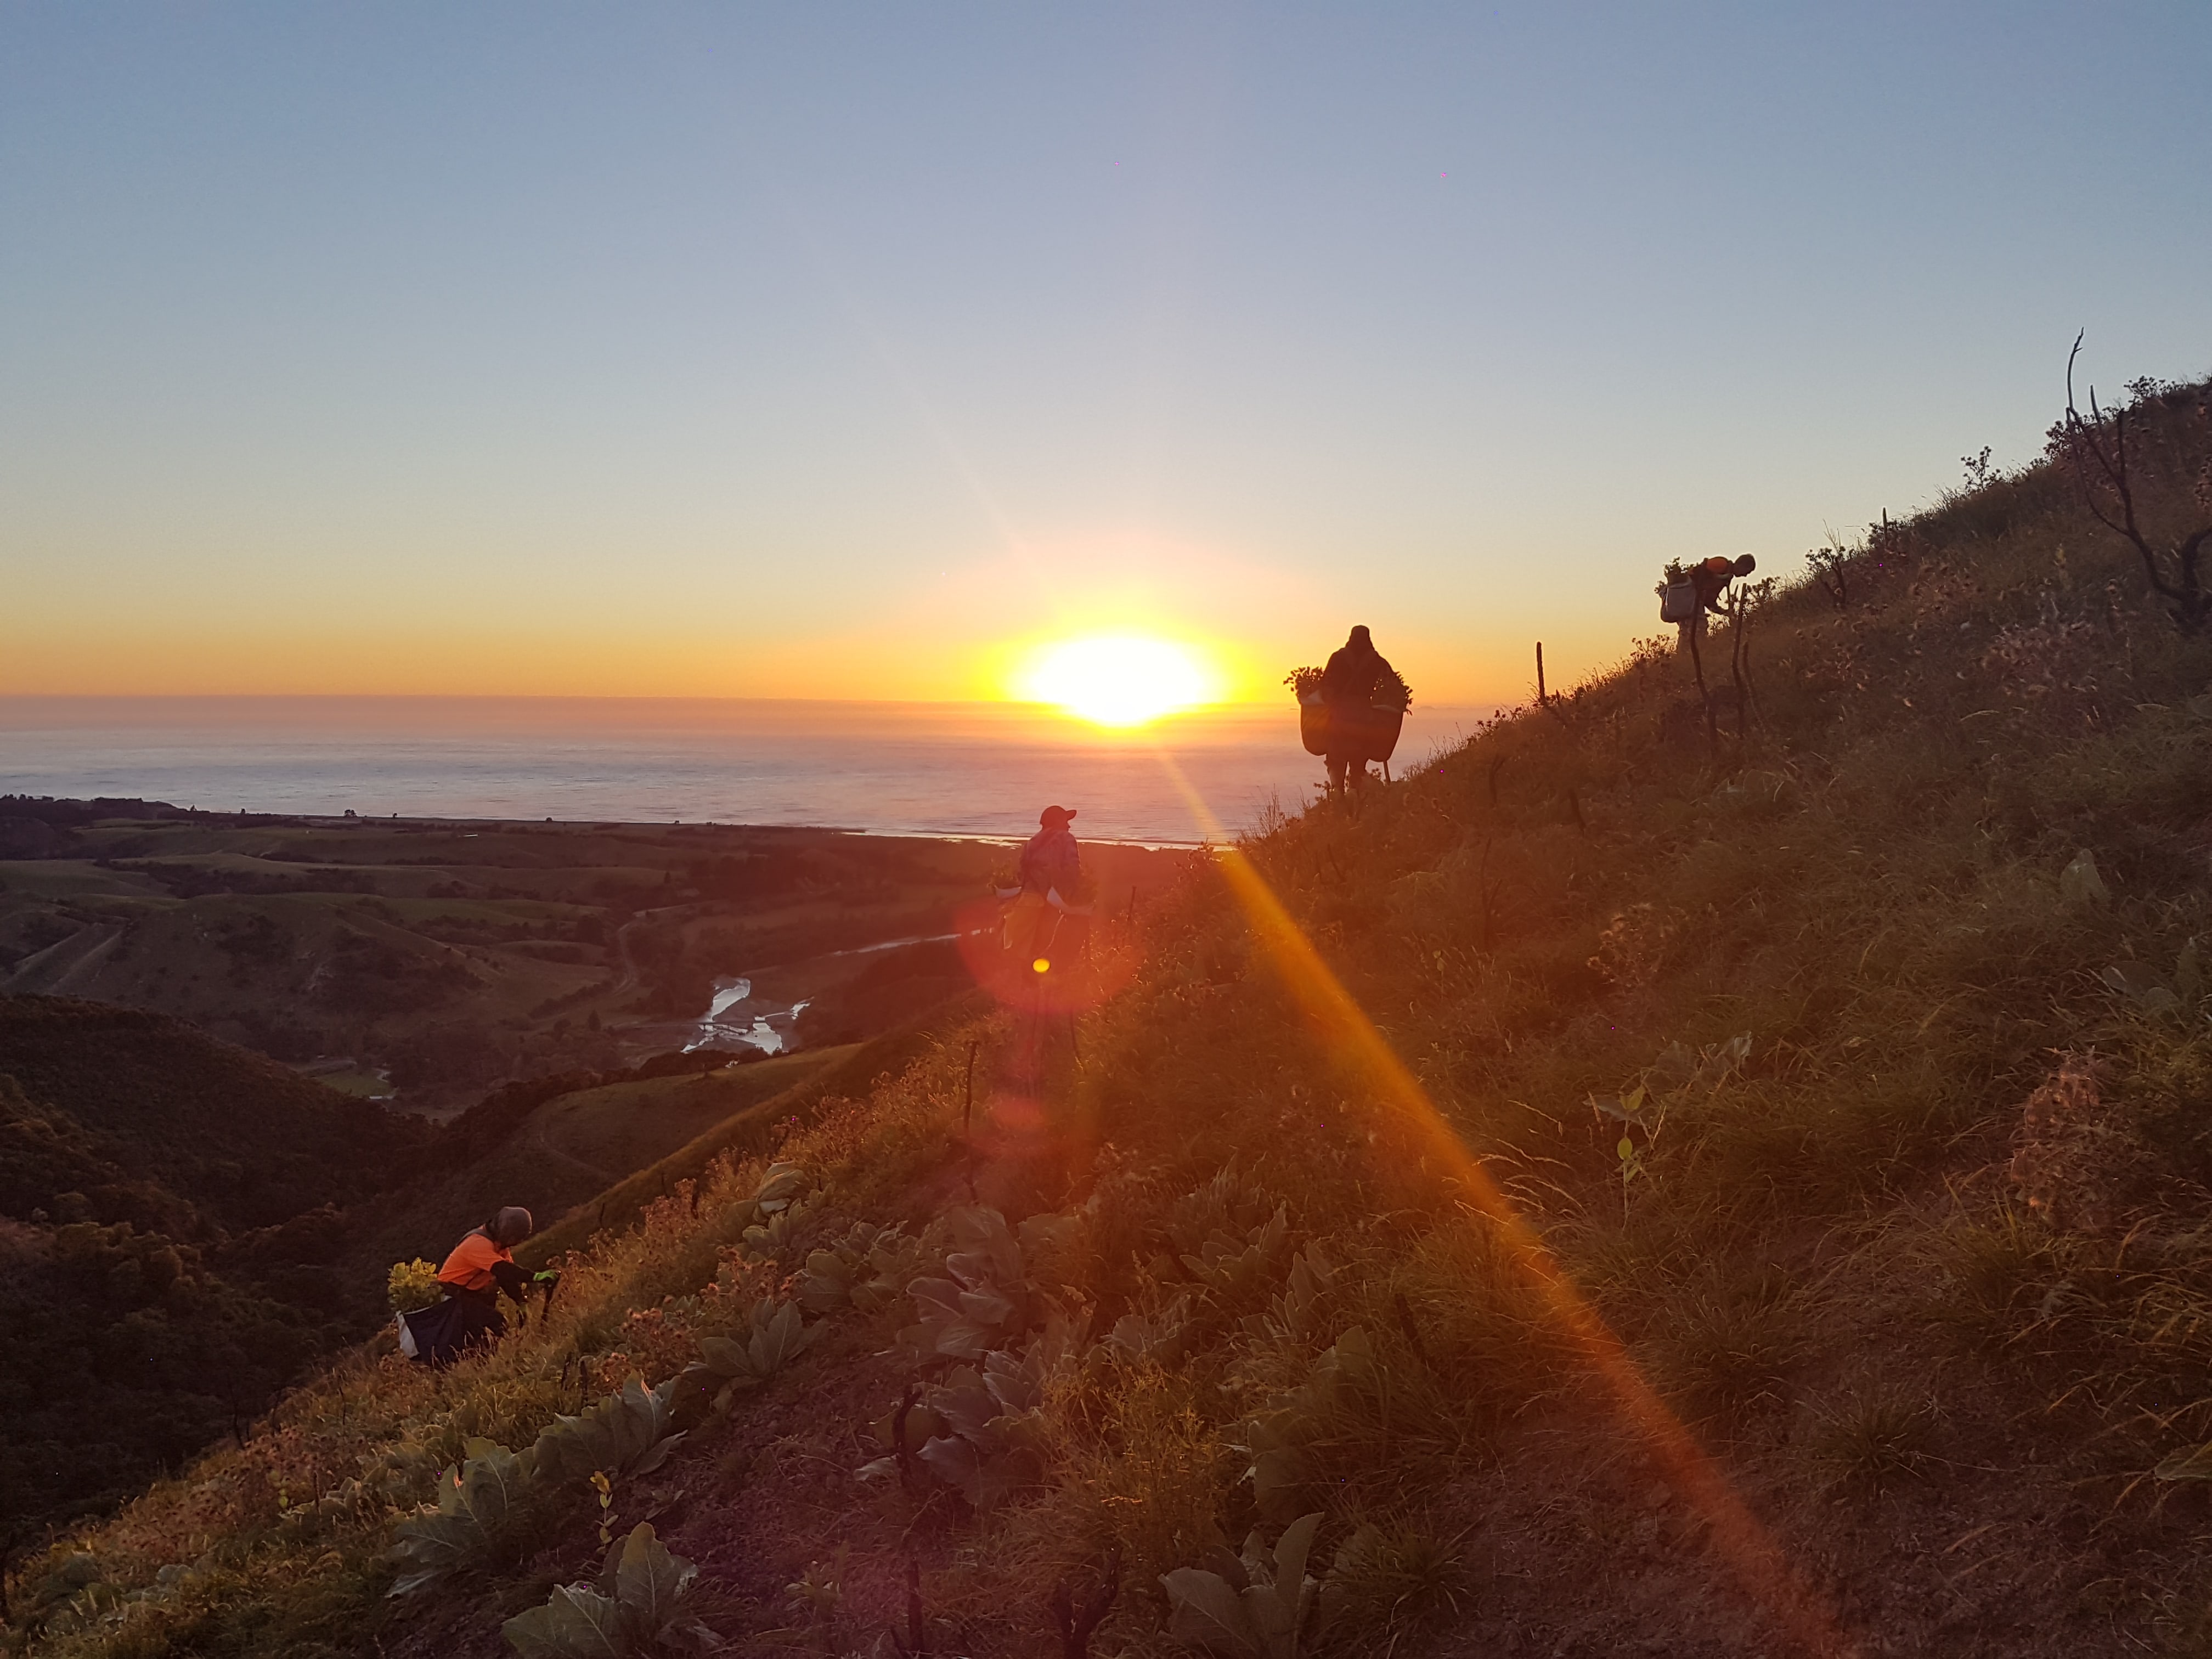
(1670, 1177)
(578, 1136)
(169, 1214)
(191, 1227)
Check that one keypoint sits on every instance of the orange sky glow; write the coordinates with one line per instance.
(865, 667)
(972, 632)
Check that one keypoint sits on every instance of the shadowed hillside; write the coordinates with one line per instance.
(1717, 1174)
(190, 1224)
(245, 1140)
(169, 1210)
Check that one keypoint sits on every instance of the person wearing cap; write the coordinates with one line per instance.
(477, 1272)
(1049, 869)
(1355, 672)
(1050, 860)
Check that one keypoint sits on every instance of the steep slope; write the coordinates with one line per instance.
(167, 1204)
(1692, 1174)
(247, 1140)
(565, 1152)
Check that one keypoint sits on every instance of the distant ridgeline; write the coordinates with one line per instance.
(168, 1216)
(44, 826)
(40, 827)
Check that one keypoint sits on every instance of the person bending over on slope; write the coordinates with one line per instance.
(1710, 577)
(478, 1269)
(1355, 672)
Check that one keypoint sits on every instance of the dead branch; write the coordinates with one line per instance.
(913, 1642)
(1830, 567)
(910, 1476)
(2101, 470)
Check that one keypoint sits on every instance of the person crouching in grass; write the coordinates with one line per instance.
(477, 1271)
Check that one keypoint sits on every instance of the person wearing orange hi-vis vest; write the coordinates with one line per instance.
(477, 1272)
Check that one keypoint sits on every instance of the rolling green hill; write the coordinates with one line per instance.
(853, 1071)
(1708, 1170)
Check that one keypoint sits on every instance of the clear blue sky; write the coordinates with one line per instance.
(817, 349)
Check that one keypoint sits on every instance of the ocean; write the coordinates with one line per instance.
(906, 769)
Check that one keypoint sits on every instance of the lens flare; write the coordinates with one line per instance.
(1120, 679)
(1344, 1030)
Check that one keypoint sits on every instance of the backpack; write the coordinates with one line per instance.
(1678, 602)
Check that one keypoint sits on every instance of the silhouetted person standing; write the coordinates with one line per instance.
(1050, 860)
(1050, 869)
(1355, 673)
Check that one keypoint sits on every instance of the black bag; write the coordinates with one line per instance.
(440, 1334)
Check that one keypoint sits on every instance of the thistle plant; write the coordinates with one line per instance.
(638, 1605)
(478, 1505)
(730, 1366)
(629, 1432)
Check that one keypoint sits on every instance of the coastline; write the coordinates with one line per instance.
(979, 771)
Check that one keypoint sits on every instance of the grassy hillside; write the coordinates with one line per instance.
(189, 1225)
(852, 1073)
(565, 1152)
(1681, 1175)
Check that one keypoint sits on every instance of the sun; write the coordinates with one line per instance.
(1120, 679)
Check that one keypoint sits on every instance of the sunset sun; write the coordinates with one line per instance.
(1120, 679)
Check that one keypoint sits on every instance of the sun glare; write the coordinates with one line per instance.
(1120, 679)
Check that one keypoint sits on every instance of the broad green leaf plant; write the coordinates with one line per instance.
(637, 1607)
(1262, 1605)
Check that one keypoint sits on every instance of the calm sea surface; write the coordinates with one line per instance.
(931, 768)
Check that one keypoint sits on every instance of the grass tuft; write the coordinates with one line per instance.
(1868, 1441)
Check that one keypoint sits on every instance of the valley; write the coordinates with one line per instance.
(246, 1067)
(423, 963)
